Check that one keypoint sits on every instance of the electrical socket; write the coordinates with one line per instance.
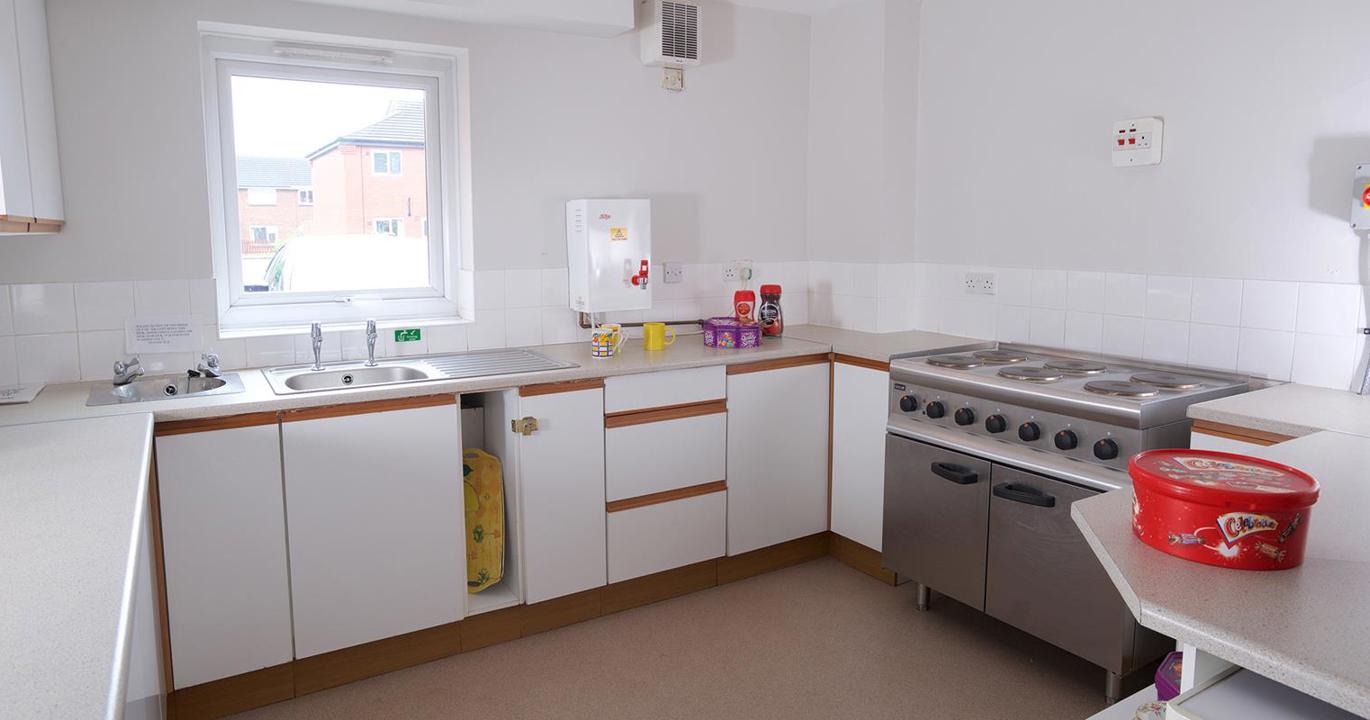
(737, 271)
(672, 273)
(981, 283)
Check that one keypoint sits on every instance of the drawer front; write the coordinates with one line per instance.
(655, 457)
(662, 389)
(667, 535)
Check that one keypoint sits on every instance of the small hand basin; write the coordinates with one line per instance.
(164, 388)
(311, 380)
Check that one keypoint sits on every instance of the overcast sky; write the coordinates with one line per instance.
(290, 118)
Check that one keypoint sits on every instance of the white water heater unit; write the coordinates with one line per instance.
(609, 252)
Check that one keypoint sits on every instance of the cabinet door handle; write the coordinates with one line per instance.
(959, 474)
(1025, 494)
(525, 425)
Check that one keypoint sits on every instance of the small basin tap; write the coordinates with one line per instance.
(371, 343)
(126, 371)
(209, 365)
(316, 338)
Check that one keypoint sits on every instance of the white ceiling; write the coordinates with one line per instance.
(803, 7)
(601, 18)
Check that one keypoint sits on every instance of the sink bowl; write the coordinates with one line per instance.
(455, 366)
(309, 381)
(169, 387)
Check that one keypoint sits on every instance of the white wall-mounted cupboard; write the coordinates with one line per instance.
(777, 456)
(860, 409)
(374, 505)
(223, 540)
(30, 181)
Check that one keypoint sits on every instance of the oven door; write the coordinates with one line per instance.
(1043, 578)
(936, 512)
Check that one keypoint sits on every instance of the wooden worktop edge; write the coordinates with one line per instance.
(1234, 432)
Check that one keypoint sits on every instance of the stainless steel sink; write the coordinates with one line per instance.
(341, 376)
(168, 387)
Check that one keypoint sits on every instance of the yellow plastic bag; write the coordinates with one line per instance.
(484, 493)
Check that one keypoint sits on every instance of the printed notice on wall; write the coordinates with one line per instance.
(162, 334)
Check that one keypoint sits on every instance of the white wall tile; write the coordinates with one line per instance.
(1085, 330)
(1047, 326)
(329, 351)
(232, 352)
(104, 305)
(161, 297)
(48, 358)
(1125, 294)
(1328, 309)
(1013, 324)
(796, 278)
(862, 280)
(43, 308)
(555, 282)
(352, 344)
(6, 315)
(1166, 341)
(489, 290)
(270, 351)
(1325, 360)
(820, 308)
(980, 320)
(522, 288)
(1213, 347)
(98, 349)
(446, 338)
(1014, 286)
(204, 301)
(403, 349)
(795, 307)
(891, 314)
(1265, 353)
(854, 312)
(1050, 289)
(561, 325)
(1217, 301)
(9, 365)
(1085, 291)
(487, 331)
(1168, 297)
(891, 282)
(1269, 305)
(1124, 335)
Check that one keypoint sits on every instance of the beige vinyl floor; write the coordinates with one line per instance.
(818, 640)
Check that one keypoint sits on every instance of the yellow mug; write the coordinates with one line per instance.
(656, 336)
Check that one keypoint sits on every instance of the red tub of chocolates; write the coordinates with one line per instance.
(1221, 509)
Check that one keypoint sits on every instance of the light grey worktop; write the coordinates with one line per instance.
(1293, 410)
(1305, 627)
(72, 499)
(883, 346)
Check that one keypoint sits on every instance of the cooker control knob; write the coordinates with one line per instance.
(1067, 440)
(908, 403)
(936, 409)
(965, 416)
(1106, 449)
(996, 423)
(1029, 432)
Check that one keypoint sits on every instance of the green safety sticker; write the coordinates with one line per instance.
(408, 335)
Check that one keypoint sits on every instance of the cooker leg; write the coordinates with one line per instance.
(923, 595)
(1113, 687)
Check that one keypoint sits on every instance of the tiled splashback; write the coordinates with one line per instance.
(60, 332)
(1304, 332)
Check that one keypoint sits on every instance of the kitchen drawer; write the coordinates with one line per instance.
(659, 456)
(653, 538)
(662, 389)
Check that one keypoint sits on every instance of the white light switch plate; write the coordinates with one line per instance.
(1137, 142)
(672, 273)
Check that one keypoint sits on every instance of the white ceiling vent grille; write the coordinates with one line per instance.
(670, 36)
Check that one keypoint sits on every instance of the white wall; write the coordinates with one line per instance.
(1267, 109)
(554, 116)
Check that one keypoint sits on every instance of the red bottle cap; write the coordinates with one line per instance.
(1218, 478)
(770, 289)
(742, 295)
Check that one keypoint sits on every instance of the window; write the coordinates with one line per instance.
(261, 196)
(296, 115)
(388, 226)
(385, 162)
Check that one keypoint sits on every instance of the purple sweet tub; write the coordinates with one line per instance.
(725, 332)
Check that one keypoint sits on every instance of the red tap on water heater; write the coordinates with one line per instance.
(640, 279)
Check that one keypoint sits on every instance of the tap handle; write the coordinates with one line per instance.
(371, 328)
(316, 331)
(211, 360)
(124, 366)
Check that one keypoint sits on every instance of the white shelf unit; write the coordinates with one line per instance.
(1126, 709)
(1239, 694)
(499, 408)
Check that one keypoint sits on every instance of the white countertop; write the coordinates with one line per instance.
(883, 346)
(71, 509)
(1293, 410)
(1306, 627)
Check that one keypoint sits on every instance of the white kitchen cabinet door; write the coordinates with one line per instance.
(40, 123)
(860, 409)
(777, 456)
(667, 535)
(375, 509)
(1204, 441)
(561, 470)
(223, 537)
(627, 393)
(16, 190)
(668, 455)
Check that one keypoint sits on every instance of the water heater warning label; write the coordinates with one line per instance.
(618, 234)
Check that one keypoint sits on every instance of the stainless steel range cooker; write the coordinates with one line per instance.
(985, 452)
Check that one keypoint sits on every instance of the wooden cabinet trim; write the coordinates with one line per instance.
(1233, 432)
(365, 408)
(882, 366)
(11, 226)
(662, 414)
(778, 364)
(21, 219)
(46, 226)
(234, 694)
(339, 667)
(561, 387)
(181, 427)
(666, 496)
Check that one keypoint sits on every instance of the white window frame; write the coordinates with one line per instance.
(303, 192)
(396, 224)
(273, 233)
(229, 50)
(392, 158)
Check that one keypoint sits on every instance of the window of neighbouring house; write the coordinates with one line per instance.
(295, 118)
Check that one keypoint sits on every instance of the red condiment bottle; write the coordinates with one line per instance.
(744, 306)
(768, 313)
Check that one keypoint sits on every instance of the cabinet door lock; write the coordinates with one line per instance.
(525, 425)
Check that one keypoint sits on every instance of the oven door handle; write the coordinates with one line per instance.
(959, 474)
(1025, 494)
